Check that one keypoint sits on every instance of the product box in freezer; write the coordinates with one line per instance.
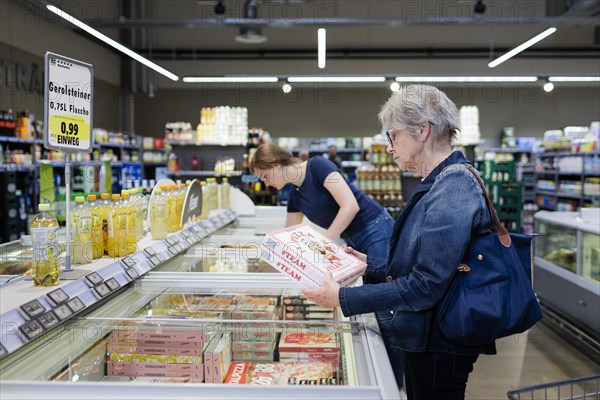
(305, 255)
(308, 342)
(275, 373)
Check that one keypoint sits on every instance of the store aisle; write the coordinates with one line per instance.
(526, 360)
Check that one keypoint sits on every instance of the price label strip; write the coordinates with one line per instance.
(33, 308)
(58, 296)
(48, 320)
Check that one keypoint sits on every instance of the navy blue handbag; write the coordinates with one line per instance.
(491, 295)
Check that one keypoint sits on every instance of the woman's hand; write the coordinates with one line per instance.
(357, 254)
(326, 295)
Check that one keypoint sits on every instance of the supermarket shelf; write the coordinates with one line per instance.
(353, 164)
(568, 173)
(564, 195)
(11, 139)
(10, 167)
(117, 145)
(190, 143)
(154, 164)
(204, 173)
(566, 154)
(162, 150)
(326, 150)
(74, 163)
(506, 150)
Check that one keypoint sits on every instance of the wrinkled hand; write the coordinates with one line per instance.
(326, 295)
(355, 253)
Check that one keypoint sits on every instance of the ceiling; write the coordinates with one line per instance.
(188, 37)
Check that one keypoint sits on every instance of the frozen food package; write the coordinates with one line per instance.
(305, 255)
(277, 373)
(308, 342)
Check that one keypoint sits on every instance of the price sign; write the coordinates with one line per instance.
(68, 106)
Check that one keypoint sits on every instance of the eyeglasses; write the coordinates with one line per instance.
(392, 131)
(390, 138)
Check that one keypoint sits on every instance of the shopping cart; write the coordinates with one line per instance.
(587, 388)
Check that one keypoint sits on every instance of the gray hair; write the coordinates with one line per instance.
(413, 105)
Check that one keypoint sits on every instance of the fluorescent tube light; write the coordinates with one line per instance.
(317, 79)
(574, 79)
(112, 42)
(521, 47)
(466, 79)
(230, 79)
(322, 49)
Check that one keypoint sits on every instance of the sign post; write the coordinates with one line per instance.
(68, 112)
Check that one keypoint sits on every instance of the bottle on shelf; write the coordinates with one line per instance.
(225, 187)
(204, 214)
(117, 228)
(171, 203)
(46, 265)
(212, 194)
(96, 212)
(104, 205)
(180, 198)
(81, 227)
(129, 211)
(158, 216)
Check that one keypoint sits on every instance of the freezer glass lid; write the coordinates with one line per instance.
(195, 336)
(220, 264)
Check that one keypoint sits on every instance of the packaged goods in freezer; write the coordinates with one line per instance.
(308, 342)
(189, 349)
(276, 373)
(195, 372)
(255, 356)
(305, 255)
(155, 358)
(253, 345)
(221, 358)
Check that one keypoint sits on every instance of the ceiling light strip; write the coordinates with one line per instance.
(521, 47)
(230, 79)
(112, 43)
(341, 79)
(466, 79)
(322, 47)
(574, 78)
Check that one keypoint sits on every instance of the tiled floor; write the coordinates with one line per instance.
(527, 360)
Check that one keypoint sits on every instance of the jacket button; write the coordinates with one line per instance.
(388, 278)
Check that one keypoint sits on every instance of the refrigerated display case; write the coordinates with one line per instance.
(80, 358)
(567, 273)
(89, 358)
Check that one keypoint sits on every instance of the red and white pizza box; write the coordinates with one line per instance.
(308, 342)
(304, 255)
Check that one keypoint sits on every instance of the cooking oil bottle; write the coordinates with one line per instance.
(117, 228)
(212, 194)
(104, 206)
(180, 200)
(158, 216)
(81, 226)
(204, 214)
(97, 240)
(46, 266)
(129, 210)
(225, 194)
(171, 203)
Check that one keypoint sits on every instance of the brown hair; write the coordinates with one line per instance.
(270, 155)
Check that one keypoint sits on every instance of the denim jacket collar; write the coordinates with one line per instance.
(456, 157)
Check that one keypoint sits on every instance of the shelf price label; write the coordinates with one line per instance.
(68, 106)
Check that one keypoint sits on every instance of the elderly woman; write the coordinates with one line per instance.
(428, 242)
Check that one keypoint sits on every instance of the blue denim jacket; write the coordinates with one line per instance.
(427, 244)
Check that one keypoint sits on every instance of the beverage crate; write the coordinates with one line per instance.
(505, 194)
(492, 171)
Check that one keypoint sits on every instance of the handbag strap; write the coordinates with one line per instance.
(498, 227)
